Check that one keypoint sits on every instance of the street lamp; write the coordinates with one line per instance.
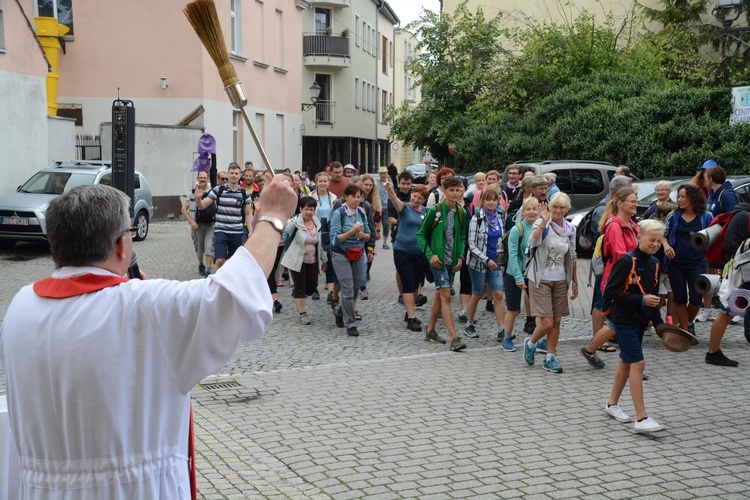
(314, 94)
(727, 12)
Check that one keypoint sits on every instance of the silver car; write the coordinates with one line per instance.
(22, 213)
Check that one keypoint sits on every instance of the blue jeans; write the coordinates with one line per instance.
(480, 278)
(225, 244)
(443, 277)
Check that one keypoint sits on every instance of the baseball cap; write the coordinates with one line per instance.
(708, 164)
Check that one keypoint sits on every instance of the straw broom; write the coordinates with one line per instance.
(205, 21)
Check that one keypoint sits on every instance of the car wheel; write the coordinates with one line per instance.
(141, 222)
(7, 244)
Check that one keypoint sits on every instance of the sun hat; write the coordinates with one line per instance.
(207, 144)
(382, 170)
(527, 181)
(675, 338)
(539, 180)
(349, 166)
(708, 164)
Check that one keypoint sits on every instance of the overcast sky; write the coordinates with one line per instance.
(409, 10)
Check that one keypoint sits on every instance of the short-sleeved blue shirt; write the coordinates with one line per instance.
(409, 221)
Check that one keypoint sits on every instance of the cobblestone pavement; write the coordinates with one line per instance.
(307, 412)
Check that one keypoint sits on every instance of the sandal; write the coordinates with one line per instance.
(607, 347)
(357, 316)
(280, 283)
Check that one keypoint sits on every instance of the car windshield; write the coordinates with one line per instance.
(648, 200)
(55, 182)
(417, 168)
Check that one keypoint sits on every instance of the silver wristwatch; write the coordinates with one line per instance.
(276, 223)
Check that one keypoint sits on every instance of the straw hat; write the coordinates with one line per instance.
(383, 170)
(539, 180)
(675, 338)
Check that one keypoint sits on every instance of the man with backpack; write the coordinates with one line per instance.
(201, 226)
(233, 207)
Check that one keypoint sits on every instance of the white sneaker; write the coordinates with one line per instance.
(649, 331)
(648, 425)
(736, 320)
(703, 315)
(711, 315)
(615, 412)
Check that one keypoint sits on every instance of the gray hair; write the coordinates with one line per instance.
(618, 182)
(666, 184)
(84, 224)
(552, 177)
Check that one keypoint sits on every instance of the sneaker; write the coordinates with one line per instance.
(501, 334)
(648, 424)
(508, 345)
(385, 246)
(711, 315)
(202, 269)
(529, 328)
(453, 291)
(649, 331)
(432, 336)
(315, 295)
(593, 359)
(490, 307)
(736, 320)
(718, 358)
(413, 325)
(703, 315)
(691, 328)
(668, 320)
(339, 321)
(470, 331)
(364, 294)
(329, 298)
(552, 365)
(406, 318)
(541, 346)
(421, 300)
(304, 319)
(208, 272)
(352, 332)
(528, 352)
(277, 306)
(463, 316)
(401, 299)
(615, 412)
(457, 344)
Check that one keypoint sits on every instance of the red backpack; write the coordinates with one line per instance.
(715, 252)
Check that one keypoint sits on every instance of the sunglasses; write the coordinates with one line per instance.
(223, 178)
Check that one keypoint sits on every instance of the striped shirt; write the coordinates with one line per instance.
(229, 209)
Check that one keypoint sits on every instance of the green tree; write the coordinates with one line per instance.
(459, 56)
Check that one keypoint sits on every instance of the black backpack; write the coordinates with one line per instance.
(504, 242)
(206, 215)
(215, 205)
(586, 236)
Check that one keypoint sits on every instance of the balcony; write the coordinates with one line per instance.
(332, 3)
(324, 112)
(326, 51)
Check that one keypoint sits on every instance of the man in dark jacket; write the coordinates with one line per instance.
(735, 235)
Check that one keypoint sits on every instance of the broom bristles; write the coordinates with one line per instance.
(205, 21)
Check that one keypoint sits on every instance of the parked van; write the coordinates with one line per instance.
(586, 182)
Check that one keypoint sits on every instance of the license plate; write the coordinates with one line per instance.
(14, 221)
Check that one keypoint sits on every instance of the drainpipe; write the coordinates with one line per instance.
(49, 32)
(381, 4)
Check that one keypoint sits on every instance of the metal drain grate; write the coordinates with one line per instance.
(216, 386)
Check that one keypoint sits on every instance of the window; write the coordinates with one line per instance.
(62, 10)
(586, 181)
(364, 95)
(235, 135)
(259, 28)
(383, 105)
(280, 20)
(563, 180)
(322, 21)
(235, 13)
(356, 30)
(391, 55)
(356, 92)
(2, 32)
(384, 55)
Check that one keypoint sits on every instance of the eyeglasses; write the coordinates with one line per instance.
(133, 230)
(223, 178)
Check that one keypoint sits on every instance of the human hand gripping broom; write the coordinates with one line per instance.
(205, 21)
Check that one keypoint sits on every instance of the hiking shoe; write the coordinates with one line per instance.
(385, 246)
(703, 315)
(490, 307)
(208, 272)
(277, 306)
(508, 345)
(304, 319)
(432, 336)
(329, 298)
(552, 365)
(541, 346)
(401, 299)
(406, 318)
(718, 358)
(457, 344)
(202, 269)
(593, 360)
(470, 331)
(315, 295)
(736, 320)
(529, 328)
(364, 294)
(352, 332)
(339, 321)
(414, 325)
(648, 424)
(691, 328)
(463, 316)
(528, 352)
(615, 412)
(421, 300)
